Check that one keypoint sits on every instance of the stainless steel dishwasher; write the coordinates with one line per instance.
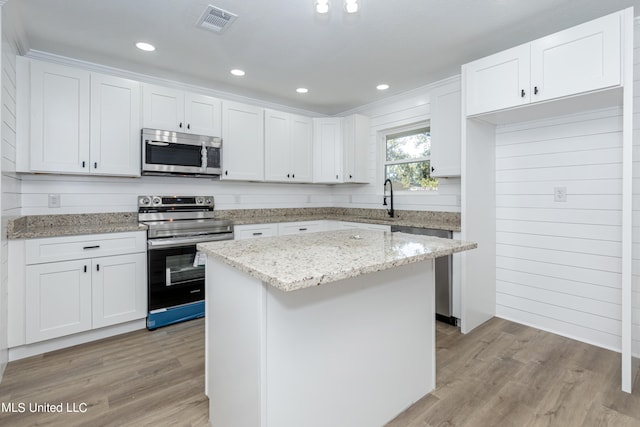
(443, 266)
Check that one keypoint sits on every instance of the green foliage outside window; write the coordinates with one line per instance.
(407, 161)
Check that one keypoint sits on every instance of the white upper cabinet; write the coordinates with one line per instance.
(115, 126)
(580, 59)
(446, 138)
(242, 142)
(171, 109)
(59, 118)
(355, 139)
(498, 81)
(288, 143)
(82, 122)
(327, 150)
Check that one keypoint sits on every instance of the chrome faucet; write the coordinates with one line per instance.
(384, 196)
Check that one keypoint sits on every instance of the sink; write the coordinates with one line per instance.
(367, 219)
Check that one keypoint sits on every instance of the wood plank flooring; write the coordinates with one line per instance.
(502, 374)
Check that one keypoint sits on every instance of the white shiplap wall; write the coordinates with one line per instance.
(94, 194)
(9, 182)
(559, 263)
(395, 112)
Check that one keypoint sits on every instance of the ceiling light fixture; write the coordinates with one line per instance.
(237, 72)
(351, 6)
(147, 47)
(382, 86)
(322, 6)
(302, 90)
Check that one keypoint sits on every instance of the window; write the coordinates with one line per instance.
(407, 160)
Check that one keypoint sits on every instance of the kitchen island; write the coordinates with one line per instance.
(323, 329)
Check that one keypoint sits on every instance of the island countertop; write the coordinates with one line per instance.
(301, 261)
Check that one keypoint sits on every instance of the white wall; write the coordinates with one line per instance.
(394, 112)
(9, 182)
(106, 194)
(559, 263)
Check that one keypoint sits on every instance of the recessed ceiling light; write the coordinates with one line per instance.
(322, 6)
(147, 47)
(302, 90)
(237, 72)
(383, 86)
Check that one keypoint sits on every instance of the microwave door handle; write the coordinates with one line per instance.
(158, 143)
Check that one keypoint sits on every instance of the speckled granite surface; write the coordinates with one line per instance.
(36, 226)
(301, 261)
(424, 219)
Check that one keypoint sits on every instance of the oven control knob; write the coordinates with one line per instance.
(144, 201)
(157, 201)
(207, 202)
(199, 200)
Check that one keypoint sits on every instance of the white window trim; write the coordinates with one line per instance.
(382, 155)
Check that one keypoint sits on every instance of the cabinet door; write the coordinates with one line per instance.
(327, 150)
(242, 142)
(203, 115)
(58, 299)
(580, 59)
(498, 81)
(301, 148)
(355, 140)
(163, 108)
(59, 118)
(277, 146)
(119, 286)
(446, 138)
(115, 126)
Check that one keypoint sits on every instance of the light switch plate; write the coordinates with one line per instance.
(560, 194)
(54, 200)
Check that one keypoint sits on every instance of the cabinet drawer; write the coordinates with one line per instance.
(300, 227)
(65, 248)
(242, 232)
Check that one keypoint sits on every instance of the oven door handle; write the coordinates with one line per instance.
(186, 241)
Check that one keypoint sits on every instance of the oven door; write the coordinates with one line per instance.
(173, 278)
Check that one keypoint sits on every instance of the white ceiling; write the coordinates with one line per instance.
(284, 44)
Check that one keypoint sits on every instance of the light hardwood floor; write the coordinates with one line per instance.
(502, 374)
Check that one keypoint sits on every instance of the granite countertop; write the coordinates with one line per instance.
(423, 219)
(38, 226)
(301, 261)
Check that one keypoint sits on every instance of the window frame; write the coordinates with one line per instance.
(382, 154)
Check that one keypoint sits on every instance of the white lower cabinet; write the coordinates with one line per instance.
(285, 228)
(250, 231)
(86, 290)
(58, 300)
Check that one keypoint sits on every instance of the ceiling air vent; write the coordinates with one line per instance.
(216, 19)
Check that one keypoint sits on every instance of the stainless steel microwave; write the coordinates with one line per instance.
(174, 153)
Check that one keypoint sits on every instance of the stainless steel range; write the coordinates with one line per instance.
(175, 270)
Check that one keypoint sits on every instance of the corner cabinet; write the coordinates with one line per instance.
(355, 139)
(172, 109)
(288, 144)
(79, 283)
(80, 122)
(327, 150)
(340, 149)
(446, 137)
(581, 59)
(242, 142)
